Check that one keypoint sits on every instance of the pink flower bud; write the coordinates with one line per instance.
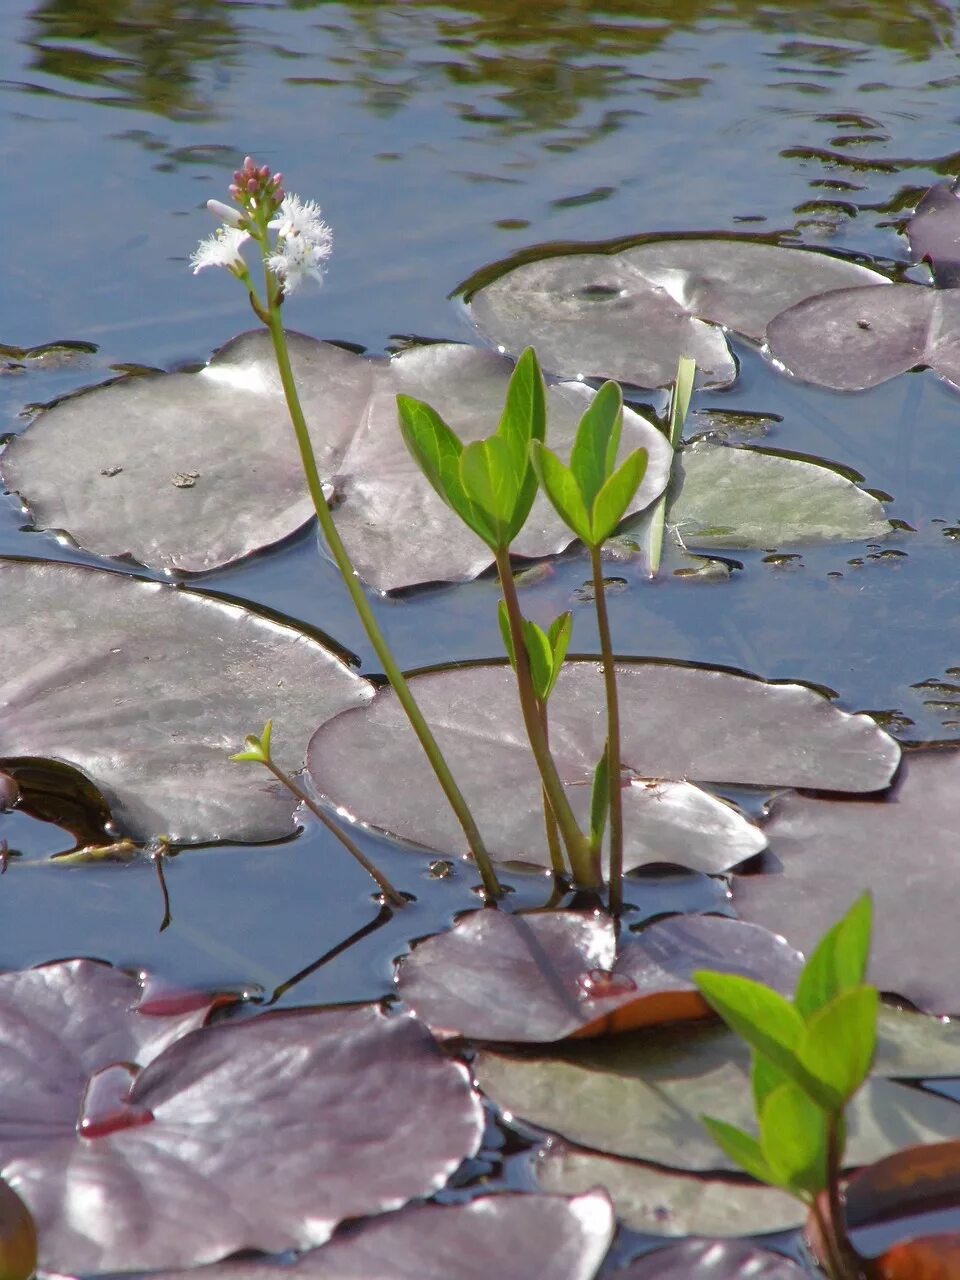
(277, 179)
(253, 186)
(263, 173)
(248, 166)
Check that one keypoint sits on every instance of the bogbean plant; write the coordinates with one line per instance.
(491, 484)
(810, 1055)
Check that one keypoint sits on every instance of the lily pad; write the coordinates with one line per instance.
(678, 722)
(504, 1235)
(147, 689)
(262, 1133)
(934, 232)
(724, 497)
(631, 315)
(549, 976)
(672, 1204)
(904, 1183)
(852, 339)
(713, 1260)
(641, 1095)
(904, 850)
(189, 472)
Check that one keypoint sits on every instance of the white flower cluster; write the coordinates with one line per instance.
(304, 243)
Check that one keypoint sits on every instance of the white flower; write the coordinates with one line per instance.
(298, 256)
(296, 218)
(222, 249)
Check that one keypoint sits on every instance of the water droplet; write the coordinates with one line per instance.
(599, 984)
(106, 1107)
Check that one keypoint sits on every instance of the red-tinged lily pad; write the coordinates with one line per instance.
(630, 315)
(934, 232)
(678, 722)
(262, 1133)
(905, 1183)
(549, 976)
(148, 689)
(18, 1237)
(852, 339)
(929, 1258)
(902, 848)
(662, 1203)
(712, 1260)
(191, 471)
(524, 1237)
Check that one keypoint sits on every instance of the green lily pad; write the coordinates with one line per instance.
(672, 1204)
(641, 1095)
(723, 497)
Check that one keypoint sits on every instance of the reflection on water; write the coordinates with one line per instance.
(150, 54)
(546, 60)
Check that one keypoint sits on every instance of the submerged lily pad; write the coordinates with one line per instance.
(190, 471)
(723, 497)
(672, 1204)
(713, 1260)
(631, 315)
(147, 689)
(852, 339)
(904, 850)
(549, 976)
(520, 1236)
(678, 721)
(642, 1096)
(262, 1133)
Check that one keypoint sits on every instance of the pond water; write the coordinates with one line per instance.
(441, 139)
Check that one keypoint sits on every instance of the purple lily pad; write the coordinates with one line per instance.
(631, 315)
(190, 472)
(147, 689)
(903, 848)
(852, 339)
(934, 232)
(678, 722)
(543, 977)
(505, 1235)
(134, 1149)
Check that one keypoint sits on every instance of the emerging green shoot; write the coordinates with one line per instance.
(810, 1056)
(490, 483)
(679, 407)
(257, 751)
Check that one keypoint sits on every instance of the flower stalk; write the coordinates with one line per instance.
(303, 244)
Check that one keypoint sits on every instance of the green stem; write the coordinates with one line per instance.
(393, 673)
(390, 893)
(582, 862)
(847, 1258)
(557, 865)
(613, 736)
(830, 1262)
